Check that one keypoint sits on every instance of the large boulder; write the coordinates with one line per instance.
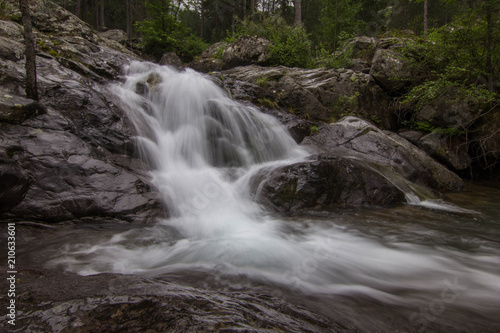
(449, 150)
(392, 65)
(358, 165)
(361, 50)
(171, 59)
(325, 183)
(246, 50)
(315, 94)
(356, 138)
(59, 177)
(116, 35)
(451, 109)
(70, 157)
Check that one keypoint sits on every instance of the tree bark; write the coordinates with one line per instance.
(29, 40)
(298, 12)
(102, 24)
(129, 19)
(489, 44)
(85, 11)
(77, 8)
(202, 18)
(426, 17)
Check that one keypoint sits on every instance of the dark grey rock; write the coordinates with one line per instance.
(11, 49)
(314, 94)
(450, 151)
(206, 65)
(64, 302)
(15, 109)
(353, 137)
(391, 70)
(171, 59)
(212, 50)
(328, 183)
(246, 50)
(116, 35)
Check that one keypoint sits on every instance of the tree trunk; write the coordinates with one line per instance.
(96, 14)
(489, 44)
(233, 19)
(129, 19)
(29, 40)
(426, 16)
(77, 8)
(202, 18)
(102, 25)
(298, 13)
(335, 26)
(85, 11)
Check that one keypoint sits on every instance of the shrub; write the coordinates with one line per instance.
(290, 46)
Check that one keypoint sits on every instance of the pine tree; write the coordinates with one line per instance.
(31, 84)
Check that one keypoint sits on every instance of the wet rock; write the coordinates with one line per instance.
(206, 65)
(326, 183)
(64, 302)
(15, 109)
(15, 182)
(69, 179)
(353, 137)
(77, 161)
(391, 70)
(361, 47)
(314, 94)
(171, 59)
(116, 35)
(246, 50)
(11, 30)
(448, 150)
(11, 49)
(213, 50)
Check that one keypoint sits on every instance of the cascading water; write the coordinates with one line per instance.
(199, 141)
(414, 266)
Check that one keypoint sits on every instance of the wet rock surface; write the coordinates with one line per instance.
(317, 94)
(71, 156)
(246, 50)
(325, 183)
(354, 137)
(65, 302)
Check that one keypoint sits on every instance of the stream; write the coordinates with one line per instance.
(429, 266)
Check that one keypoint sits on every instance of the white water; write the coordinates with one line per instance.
(203, 148)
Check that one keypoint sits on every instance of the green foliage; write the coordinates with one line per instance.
(4, 9)
(432, 90)
(268, 103)
(290, 45)
(163, 33)
(339, 21)
(262, 81)
(314, 129)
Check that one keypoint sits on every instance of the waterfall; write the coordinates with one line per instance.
(200, 144)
